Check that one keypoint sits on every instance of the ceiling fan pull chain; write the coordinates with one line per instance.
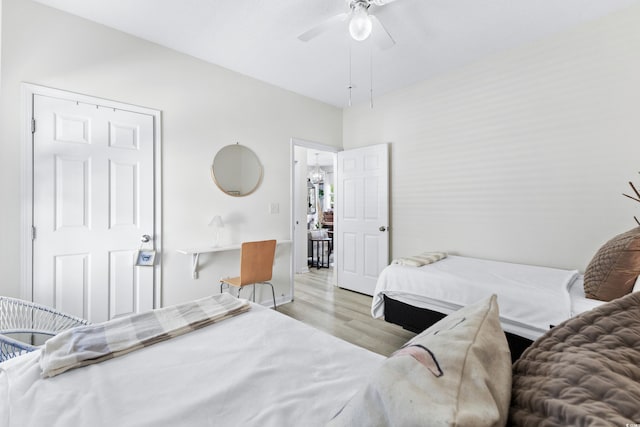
(350, 82)
(371, 79)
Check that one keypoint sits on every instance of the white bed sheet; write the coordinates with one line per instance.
(531, 298)
(579, 302)
(260, 368)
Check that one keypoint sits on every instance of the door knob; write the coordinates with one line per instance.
(382, 228)
(145, 238)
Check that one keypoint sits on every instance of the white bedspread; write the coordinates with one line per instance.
(259, 368)
(531, 298)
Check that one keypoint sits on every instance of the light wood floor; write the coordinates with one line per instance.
(342, 313)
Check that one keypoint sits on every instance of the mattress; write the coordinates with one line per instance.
(531, 298)
(258, 368)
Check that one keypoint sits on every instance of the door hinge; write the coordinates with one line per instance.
(33, 232)
(33, 125)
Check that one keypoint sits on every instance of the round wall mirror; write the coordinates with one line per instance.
(236, 170)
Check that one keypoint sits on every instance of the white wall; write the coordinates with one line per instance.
(204, 108)
(520, 157)
(0, 43)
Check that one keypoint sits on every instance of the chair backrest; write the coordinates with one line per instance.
(256, 261)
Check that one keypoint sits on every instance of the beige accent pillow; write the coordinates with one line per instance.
(457, 372)
(424, 258)
(614, 269)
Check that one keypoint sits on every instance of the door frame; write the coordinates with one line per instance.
(26, 259)
(298, 142)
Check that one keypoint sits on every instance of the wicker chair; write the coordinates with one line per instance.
(24, 318)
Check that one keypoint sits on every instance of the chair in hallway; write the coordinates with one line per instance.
(256, 267)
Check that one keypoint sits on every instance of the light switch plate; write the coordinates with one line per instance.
(274, 208)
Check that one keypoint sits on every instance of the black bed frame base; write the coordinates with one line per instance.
(416, 320)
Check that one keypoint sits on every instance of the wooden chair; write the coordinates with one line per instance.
(256, 267)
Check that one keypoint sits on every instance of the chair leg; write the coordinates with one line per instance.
(273, 293)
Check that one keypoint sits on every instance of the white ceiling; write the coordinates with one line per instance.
(258, 38)
(324, 159)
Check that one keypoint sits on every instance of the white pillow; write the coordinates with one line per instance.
(457, 372)
(636, 287)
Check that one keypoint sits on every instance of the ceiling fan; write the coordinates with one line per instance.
(361, 23)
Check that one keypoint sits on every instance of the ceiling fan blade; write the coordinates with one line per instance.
(381, 36)
(380, 2)
(322, 27)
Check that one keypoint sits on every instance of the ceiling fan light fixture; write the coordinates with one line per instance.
(360, 25)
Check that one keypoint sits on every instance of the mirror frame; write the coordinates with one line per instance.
(228, 192)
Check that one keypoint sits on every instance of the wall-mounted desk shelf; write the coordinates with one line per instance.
(195, 253)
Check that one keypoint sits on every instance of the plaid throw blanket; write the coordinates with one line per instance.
(89, 344)
(421, 259)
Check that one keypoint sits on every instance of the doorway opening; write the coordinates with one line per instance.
(313, 207)
(320, 206)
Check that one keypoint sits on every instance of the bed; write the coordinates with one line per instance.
(257, 368)
(532, 299)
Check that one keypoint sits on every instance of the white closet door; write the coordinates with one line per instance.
(362, 212)
(93, 198)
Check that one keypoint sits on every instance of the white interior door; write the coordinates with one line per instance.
(93, 198)
(362, 211)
